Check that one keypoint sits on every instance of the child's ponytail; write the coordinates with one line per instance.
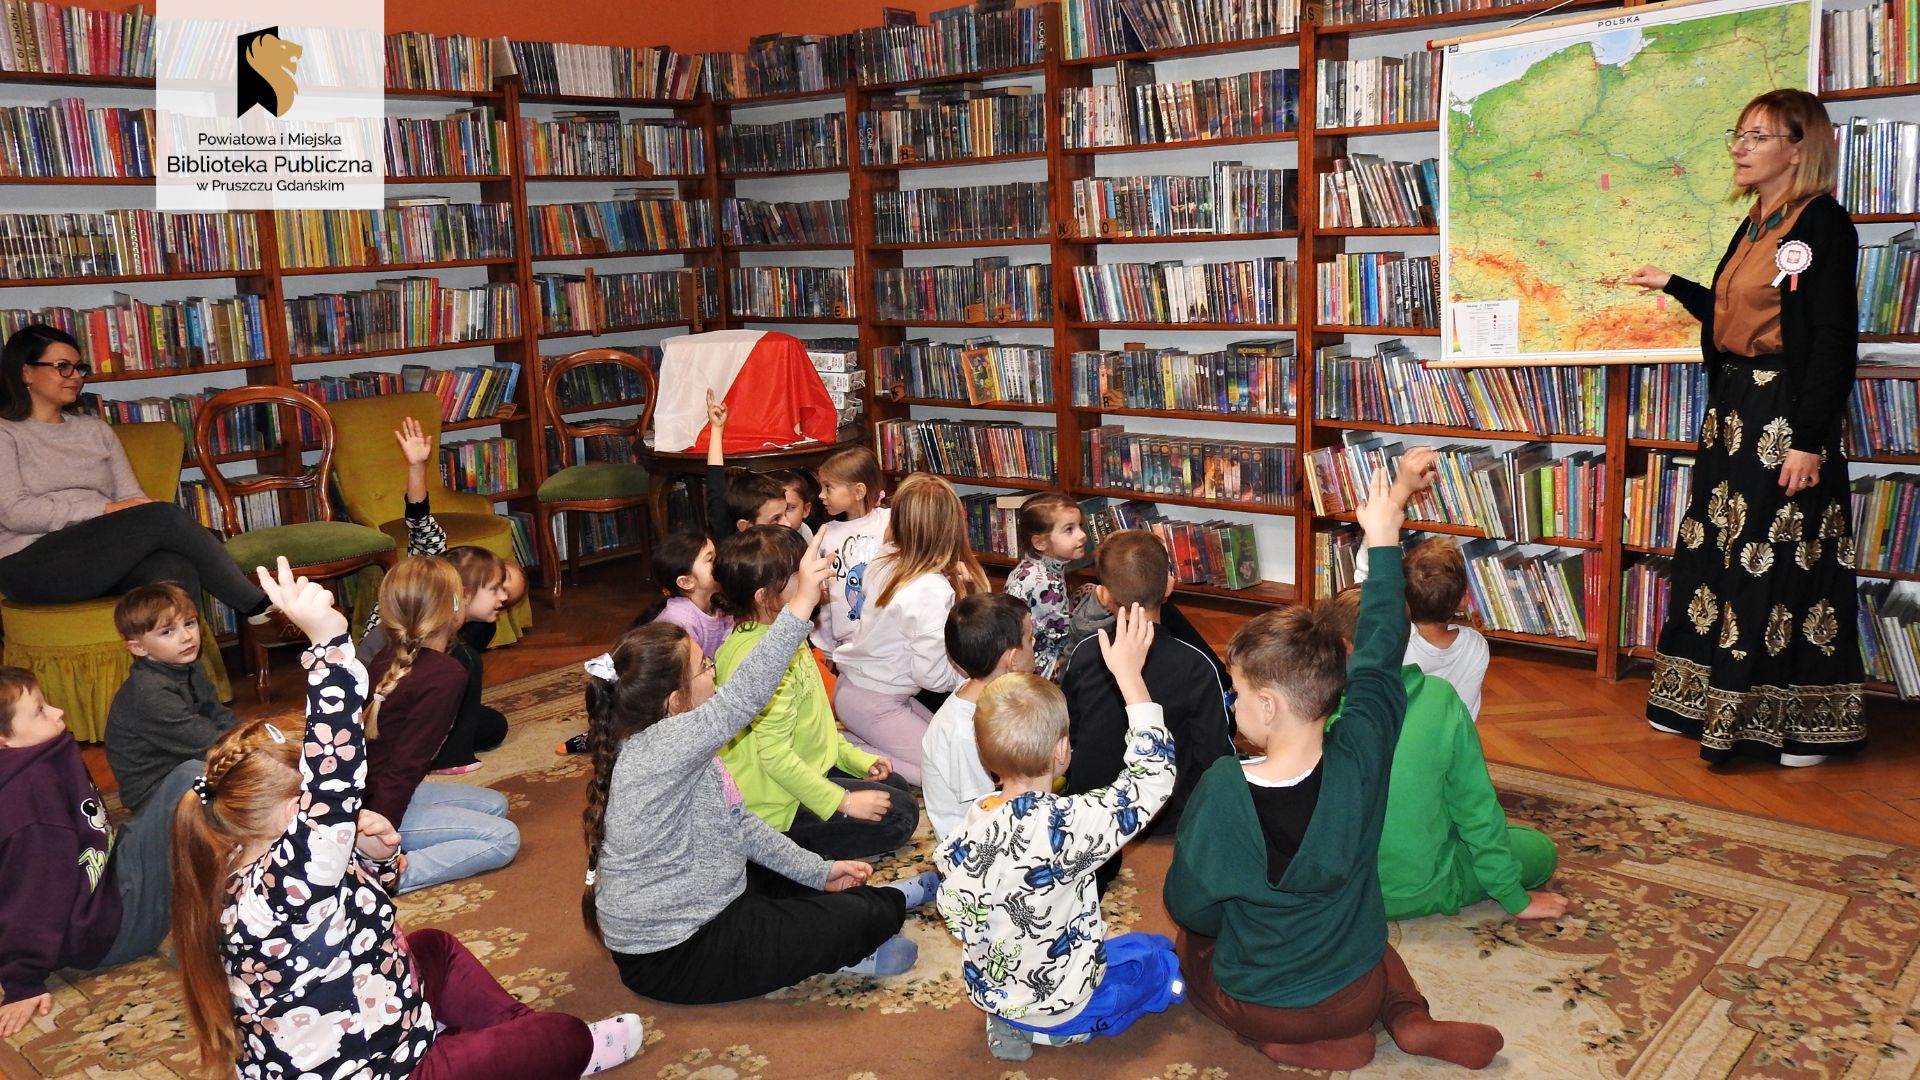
(419, 601)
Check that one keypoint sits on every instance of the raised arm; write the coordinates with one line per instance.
(424, 534)
(719, 522)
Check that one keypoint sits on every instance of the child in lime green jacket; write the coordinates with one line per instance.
(794, 768)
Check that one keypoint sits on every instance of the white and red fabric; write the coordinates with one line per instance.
(774, 396)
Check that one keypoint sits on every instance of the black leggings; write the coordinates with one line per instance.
(114, 552)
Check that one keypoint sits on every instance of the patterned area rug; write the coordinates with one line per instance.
(1701, 943)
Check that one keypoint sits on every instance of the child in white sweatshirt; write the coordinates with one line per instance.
(850, 490)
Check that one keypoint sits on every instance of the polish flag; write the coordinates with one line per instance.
(774, 396)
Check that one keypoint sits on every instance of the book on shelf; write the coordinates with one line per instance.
(591, 449)
(422, 61)
(1886, 524)
(520, 528)
(978, 371)
(1378, 90)
(754, 222)
(1884, 417)
(807, 142)
(411, 229)
(1379, 288)
(1877, 45)
(786, 292)
(1219, 553)
(1889, 284)
(1349, 12)
(780, 64)
(1366, 191)
(1879, 165)
(945, 123)
(1247, 378)
(993, 522)
(1644, 589)
(1223, 470)
(1523, 494)
(956, 41)
(1548, 594)
(968, 448)
(991, 289)
(599, 142)
(603, 303)
(1233, 199)
(646, 219)
(1657, 499)
(60, 40)
(1135, 110)
(599, 532)
(606, 71)
(481, 466)
(1889, 620)
(400, 313)
(468, 392)
(1095, 28)
(1666, 401)
(602, 384)
(1014, 211)
(133, 335)
(65, 138)
(1257, 291)
(126, 243)
(470, 142)
(245, 430)
(1392, 385)
(1336, 560)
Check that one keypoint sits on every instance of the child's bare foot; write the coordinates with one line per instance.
(1332, 1055)
(1471, 1045)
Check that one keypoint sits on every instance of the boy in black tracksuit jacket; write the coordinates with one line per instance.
(1134, 568)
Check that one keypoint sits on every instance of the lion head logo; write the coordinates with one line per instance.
(267, 64)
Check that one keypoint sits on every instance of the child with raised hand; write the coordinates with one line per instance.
(1052, 533)
(1017, 877)
(850, 493)
(290, 961)
(900, 648)
(795, 769)
(450, 830)
(1274, 883)
(167, 711)
(670, 889)
(740, 500)
(988, 635)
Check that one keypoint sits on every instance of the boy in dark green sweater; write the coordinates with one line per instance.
(1283, 936)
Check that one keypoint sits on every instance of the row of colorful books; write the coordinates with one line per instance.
(126, 243)
(1889, 620)
(1014, 211)
(1379, 288)
(1879, 165)
(1523, 493)
(1105, 27)
(988, 289)
(977, 371)
(134, 335)
(780, 64)
(469, 142)
(244, 430)
(1644, 593)
(422, 61)
(599, 384)
(611, 530)
(1378, 90)
(1548, 594)
(1393, 386)
(1135, 110)
(1233, 199)
(401, 313)
(1257, 291)
(602, 143)
(956, 41)
(1227, 470)
(993, 522)
(1889, 276)
(66, 138)
(468, 392)
(481, 466)
(1250, 378)
(1657, 499)
(1885, 418)
(1666, 401)
(1366, 191)
(554, 68)
(646, 219)
(412, 229)
(807, 142)
(785, 292)
(1886, 523)
(968, 448)
(755, 222)
(57, 39)
(1349, 12)
(940, 125)
(572, 303)
(1876, 45)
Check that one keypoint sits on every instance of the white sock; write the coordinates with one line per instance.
(616, 1041)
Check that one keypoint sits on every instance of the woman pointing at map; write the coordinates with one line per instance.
(1759, 655)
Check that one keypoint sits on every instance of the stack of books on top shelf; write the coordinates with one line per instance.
(1105, 27)
(1249, 378)
(65, 138)
(1548, 594)
(971, 449)
(1016, 211)
(1394, 387)
(1889, 617)
(1523, 494)
(780, 64)
(412, 229)
(56, 39)
(837, 359)
(600, 143)
(1378, 90)
(245, 430)
(987, 36)
(1885, 417)
(1886, 523)
(791, 292)
(1644, 591)
(977, 371)
(134, 335)
(401, 313)
(481, 466)
(471, 142)
(116, 243)
(1135, 110)
(1657, 500)
(808, 142)
(1878, 45)
(961, 120)
(608, 71)
(1235, 199)
(570, 303)
(1264, 473)
(752, 222)
(1666, 401)
(1879, 166)
(421, 61)
(1889, 276)
(1367, 192)
(1252, 292)
(989, 289)
(1379, 288)
(642, 220)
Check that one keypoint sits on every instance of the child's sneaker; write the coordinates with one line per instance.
(576, 744)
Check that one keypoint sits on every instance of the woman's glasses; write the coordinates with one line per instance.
(67, 368)
(1747, 140)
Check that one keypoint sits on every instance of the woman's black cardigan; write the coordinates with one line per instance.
(1819, 321)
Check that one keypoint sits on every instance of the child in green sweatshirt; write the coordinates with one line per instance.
(1283, 935)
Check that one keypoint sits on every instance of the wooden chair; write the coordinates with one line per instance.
(322, 549)
(599, 486)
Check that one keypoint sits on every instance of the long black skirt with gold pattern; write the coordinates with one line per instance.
(1760, 654)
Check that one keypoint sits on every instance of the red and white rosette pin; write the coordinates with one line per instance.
(1792, 259)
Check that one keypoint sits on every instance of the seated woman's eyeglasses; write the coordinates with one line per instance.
(1747, 140)
(67, 368)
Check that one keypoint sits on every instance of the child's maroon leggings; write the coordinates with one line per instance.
(489, 1035)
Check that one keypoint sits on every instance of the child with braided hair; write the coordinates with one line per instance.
(290, 961)
(450, 831)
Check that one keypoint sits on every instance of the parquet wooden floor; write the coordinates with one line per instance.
(1542, 709)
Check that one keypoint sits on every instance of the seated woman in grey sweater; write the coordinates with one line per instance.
(698, 900)
(74, 524)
